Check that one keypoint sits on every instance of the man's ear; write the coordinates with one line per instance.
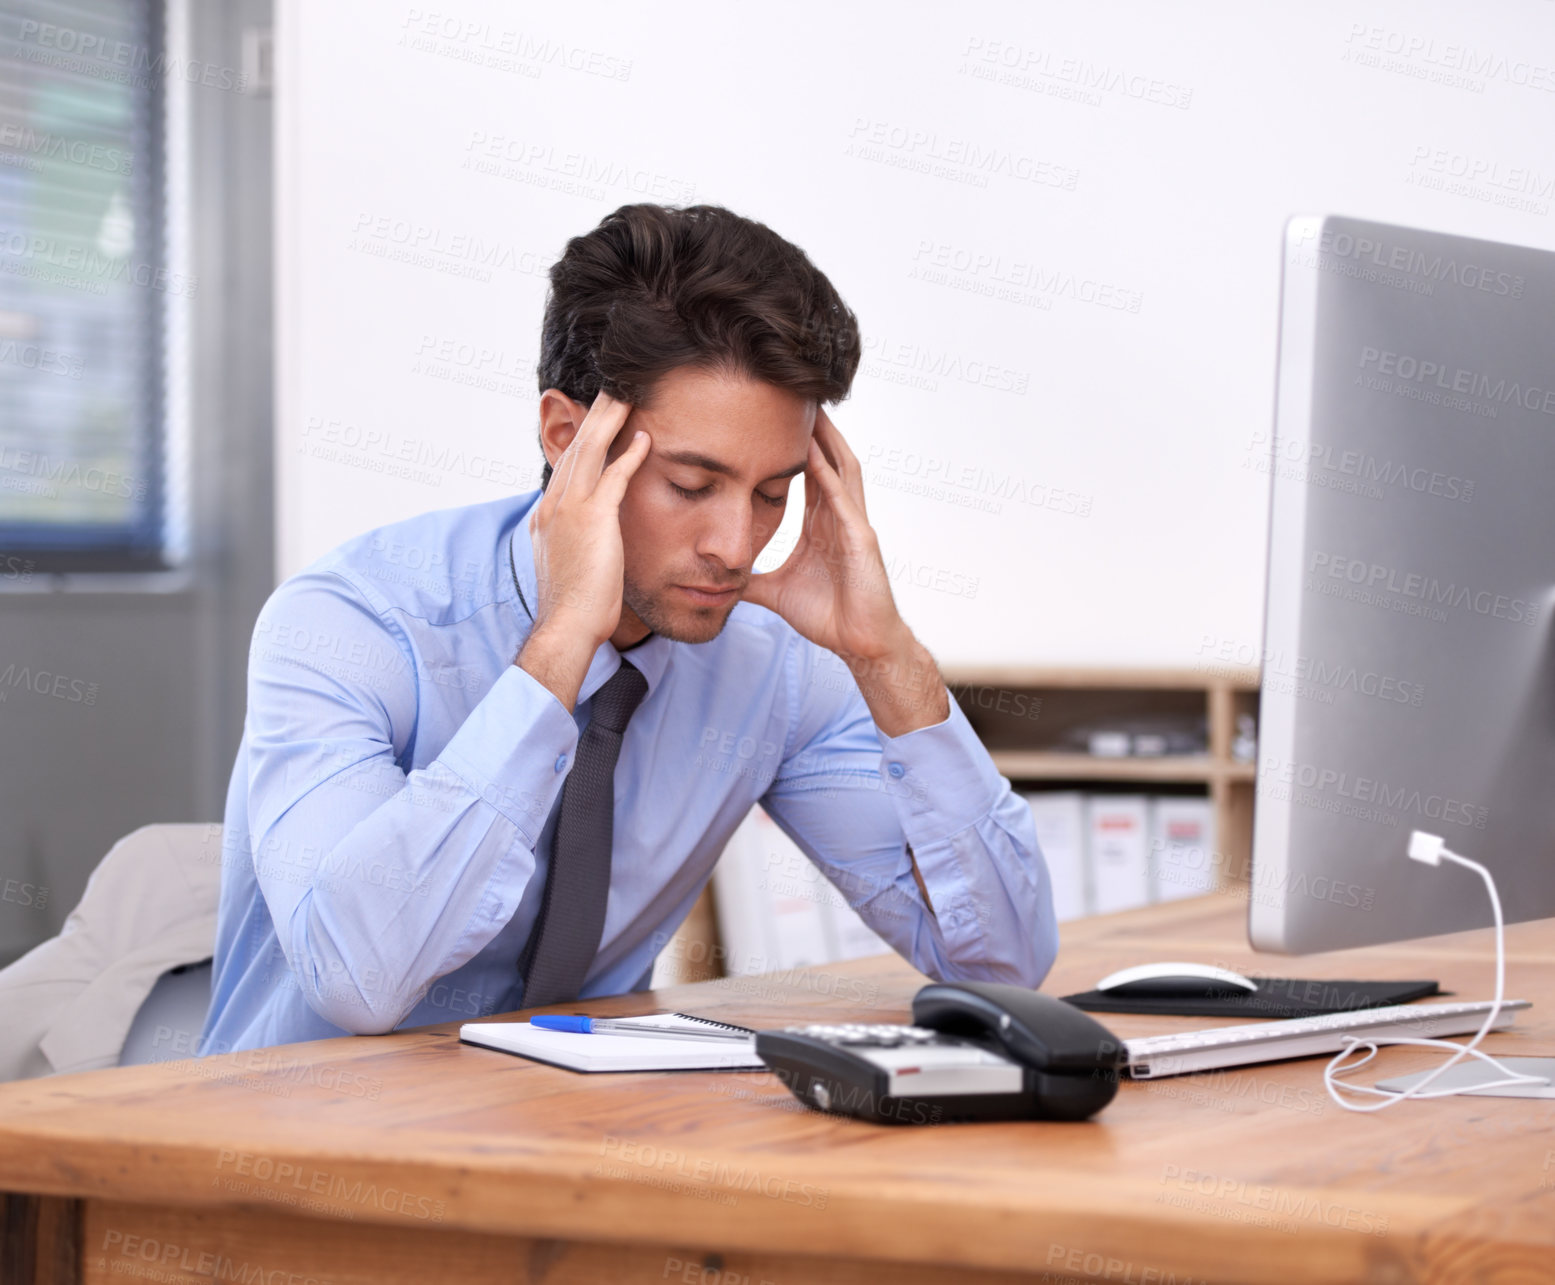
(560, 420)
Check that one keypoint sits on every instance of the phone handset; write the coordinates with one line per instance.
(1036, 1030)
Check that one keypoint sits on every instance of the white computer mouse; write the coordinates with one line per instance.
(1187, 981)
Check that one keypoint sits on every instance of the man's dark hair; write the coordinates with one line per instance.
(653, 288)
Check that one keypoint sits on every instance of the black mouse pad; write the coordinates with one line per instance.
(1275, 997)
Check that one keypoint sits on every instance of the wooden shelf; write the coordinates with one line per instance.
(1046, 765)
(1029, 716)
(1238, 677)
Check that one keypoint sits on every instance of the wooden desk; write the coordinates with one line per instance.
(411, 1157)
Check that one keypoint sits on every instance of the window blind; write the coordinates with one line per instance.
(84, 287)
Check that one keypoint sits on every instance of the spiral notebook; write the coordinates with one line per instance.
(617, 1052)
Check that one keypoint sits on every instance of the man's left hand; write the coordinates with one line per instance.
(834, 590)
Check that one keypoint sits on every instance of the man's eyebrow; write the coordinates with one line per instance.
(695, 459)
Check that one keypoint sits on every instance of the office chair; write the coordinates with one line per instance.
(128, 967)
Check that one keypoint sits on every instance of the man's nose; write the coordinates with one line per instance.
(728, 535)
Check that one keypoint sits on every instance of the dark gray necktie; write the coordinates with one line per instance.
(572, 915)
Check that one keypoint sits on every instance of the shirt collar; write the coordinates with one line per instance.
(516, 559)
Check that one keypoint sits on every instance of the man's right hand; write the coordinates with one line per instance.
(579, 559)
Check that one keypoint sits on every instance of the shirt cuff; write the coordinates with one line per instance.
(515, 749)
(940, 775)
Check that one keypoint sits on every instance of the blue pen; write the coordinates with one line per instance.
(580, 1025)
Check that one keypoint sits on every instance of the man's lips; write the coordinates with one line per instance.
(714, 594)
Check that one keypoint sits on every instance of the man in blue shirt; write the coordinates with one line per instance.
(418, 697)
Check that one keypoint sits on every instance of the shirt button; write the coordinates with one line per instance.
(561, 763)
(897, 770)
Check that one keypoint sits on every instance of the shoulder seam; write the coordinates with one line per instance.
(383, 607)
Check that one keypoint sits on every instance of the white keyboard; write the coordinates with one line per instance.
(1189, 1051)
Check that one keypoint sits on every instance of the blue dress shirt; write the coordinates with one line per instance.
(391, 809)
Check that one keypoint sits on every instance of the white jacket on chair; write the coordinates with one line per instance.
(150, 905)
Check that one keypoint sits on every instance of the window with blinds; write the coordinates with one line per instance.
(84, 288)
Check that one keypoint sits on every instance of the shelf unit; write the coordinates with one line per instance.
(1022, 713)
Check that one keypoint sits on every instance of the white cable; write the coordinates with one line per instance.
(1430, 849)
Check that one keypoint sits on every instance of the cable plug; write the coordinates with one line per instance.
(1426, 848)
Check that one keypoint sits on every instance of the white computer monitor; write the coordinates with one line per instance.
(1409, 673)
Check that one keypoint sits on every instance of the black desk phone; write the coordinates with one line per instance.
(975, 1051)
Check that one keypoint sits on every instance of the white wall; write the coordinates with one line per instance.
(1165, 190)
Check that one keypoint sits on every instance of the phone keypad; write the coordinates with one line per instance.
(868, 1035)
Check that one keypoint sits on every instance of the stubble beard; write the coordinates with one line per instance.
(693, 625)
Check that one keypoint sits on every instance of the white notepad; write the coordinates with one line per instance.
(616, 1052)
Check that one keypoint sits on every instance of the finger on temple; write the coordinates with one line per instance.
(604, 420)
(588, 446)
(827, 445)
(812, 491)
(621, 470)
(841, 457)
(840, 500)
(823, 468)
(836, 444)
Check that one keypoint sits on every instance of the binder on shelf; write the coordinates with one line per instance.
(1182, 848)
(1117, 842)
(1059, 817)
